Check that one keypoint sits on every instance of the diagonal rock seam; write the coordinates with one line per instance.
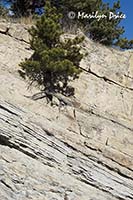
(106, 79)
(76, 172)
(82, 150)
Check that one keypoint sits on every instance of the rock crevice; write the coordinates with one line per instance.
(83, 150)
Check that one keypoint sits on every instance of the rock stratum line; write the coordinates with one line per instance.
(81, 151)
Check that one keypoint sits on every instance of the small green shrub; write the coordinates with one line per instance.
(54, 61)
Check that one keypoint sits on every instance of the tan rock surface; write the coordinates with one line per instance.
(81, 151)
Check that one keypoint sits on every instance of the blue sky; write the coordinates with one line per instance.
(127, 8)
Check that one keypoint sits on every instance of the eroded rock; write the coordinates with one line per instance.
(80, 151)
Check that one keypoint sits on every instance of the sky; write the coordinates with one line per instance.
(127, 8)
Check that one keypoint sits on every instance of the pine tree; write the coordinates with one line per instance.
(107, 32)
(54, 61)
(25, 8)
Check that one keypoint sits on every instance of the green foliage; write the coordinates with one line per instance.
(21, 7)
(3, 11)
(124, 43)
(105, 31)
(24, 8)
(54, 60)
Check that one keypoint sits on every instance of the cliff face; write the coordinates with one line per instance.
(83, 151)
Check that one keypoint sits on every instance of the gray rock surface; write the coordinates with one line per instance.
(81, 151)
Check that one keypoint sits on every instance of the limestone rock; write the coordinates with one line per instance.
(3, 27)
(83, 150)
